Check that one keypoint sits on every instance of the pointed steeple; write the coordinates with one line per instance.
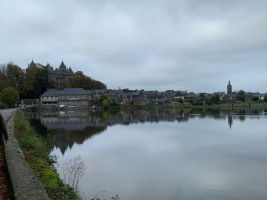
(230, 121)
(32, 64)
(229, 88)
(62, 65)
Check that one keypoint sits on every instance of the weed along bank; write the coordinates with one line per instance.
(34, 146)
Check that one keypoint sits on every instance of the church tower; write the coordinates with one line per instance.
(229, 88)
(230, 120)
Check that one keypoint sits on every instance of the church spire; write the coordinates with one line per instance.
(229, 88)
(62, 65)
(230, 121)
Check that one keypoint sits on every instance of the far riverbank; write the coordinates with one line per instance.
(196, 106)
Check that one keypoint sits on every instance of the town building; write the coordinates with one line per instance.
(67, 98)
(50, 98)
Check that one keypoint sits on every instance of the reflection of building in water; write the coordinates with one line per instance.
(70, 127)
(230, 120)
(77, 126)
(61, 141)
(64, 139)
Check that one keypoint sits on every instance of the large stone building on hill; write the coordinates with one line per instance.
(60, 76)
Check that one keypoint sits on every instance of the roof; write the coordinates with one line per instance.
(73, 91)
(100, 91)
(90, 91)
(227, 97)
(159, 100)
(51, 93)
(258, 95)
(178, 94)
(190, 95)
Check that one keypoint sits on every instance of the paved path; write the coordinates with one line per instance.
(7, 113)
(25, 184)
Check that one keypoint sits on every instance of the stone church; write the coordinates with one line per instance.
(60, 75)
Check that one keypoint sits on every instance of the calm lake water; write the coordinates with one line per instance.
(164, 154)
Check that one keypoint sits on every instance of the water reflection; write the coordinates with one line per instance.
(77, 126)
(165, 154)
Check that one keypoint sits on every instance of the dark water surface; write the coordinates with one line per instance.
(164, 154)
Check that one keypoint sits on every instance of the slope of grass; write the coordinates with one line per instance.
(36, 153)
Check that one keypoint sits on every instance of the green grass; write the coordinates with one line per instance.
(36, 153)
(245, 104)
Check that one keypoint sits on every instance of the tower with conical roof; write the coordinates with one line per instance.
(32, 64)
(229, 88)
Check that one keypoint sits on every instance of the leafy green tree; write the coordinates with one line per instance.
(214, 99)
(4, 82)
(40, 83)
(9, 96)
(201, 97)
(255, 99)
(28, 86)
(265, 98)
(16, 75)
(241, 95)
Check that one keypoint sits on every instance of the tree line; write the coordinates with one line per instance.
(33, 82)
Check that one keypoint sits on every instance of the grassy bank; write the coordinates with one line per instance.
(37, 155)
(193, 106)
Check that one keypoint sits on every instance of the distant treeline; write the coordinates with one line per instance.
(33, 82)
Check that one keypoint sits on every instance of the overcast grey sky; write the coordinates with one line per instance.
(194, 45)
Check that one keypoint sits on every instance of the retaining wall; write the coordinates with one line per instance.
(25, 184)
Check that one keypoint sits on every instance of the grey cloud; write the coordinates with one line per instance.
(144, 44)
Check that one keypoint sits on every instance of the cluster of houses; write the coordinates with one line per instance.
(78, 97)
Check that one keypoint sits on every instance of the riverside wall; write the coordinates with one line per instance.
(25, 184)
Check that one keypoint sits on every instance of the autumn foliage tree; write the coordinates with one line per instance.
(33, 82)
(4, 82)
(82, 81)
(30, 83)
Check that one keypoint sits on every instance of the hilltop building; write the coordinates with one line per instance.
(229, 88)
(60, 76)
